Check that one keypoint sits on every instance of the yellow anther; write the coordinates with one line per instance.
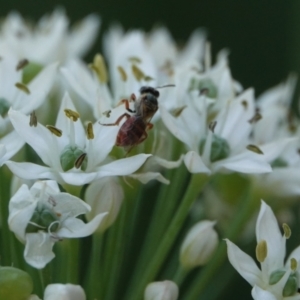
(122, 73)
(287, 230)
(138, 73)
(294, 264)
(22, 64)
(99, 67)
(148, 78)
(33, 120)
(54, 130)
(79, 161)
(254, 149)
(135, 59)
(71, 114)
(261, 251)
(22, 87)
(90, 131)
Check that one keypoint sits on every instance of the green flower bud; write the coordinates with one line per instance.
(291, 286)
(279, 163)
(15, 284)
(219, 148)
(4, 107)
(69, 156)
(41, 219)
(30, 71)
(276, 276)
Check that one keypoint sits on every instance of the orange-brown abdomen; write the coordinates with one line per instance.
(131, 132)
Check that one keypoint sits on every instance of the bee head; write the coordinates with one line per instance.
(150, 90)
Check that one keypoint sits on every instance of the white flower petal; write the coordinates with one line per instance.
(76, 177)
(21, 208)
(10, 144)
(38, 249)
(146, 177)
(245, 162)
(39, 138)
(260, 294)
(194, 163)
(267, 229)
(166, 163)
(122, 167)
(75, 228)
(243, 263)
(32, 171)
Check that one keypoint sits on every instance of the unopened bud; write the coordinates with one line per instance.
(199, 245)
(105, 195)
(64, 292)
(15, 284)
(161, 290)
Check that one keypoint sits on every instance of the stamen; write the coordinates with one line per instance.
(22, 64)
(254, 149)
(261, 251)
(71, 114)
(135, 59)
(138, 73)
(99, 67)
(107, 113)
(33, 119)
(148, 78)
(122, 73)
(255, 118)
(79, 161)
(22, 87)
(212, 126)
(54, 130)
(245, 104)
(287, 230)
(177, 111)
(294, 264)
(90, 131)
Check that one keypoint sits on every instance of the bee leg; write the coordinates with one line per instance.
(149, 126)
(118, 120)
(126, 102)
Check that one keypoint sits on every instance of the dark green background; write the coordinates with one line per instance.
(261, 35)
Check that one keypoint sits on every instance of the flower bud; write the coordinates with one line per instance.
(15, 284)
(199, 245)
(161, 290)
(105, 195)
(69, 156)
(219, 148)
(64, 292)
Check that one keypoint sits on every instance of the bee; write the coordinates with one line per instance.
(134, 130)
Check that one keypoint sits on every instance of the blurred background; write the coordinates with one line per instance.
(263, 38)
(261, 35)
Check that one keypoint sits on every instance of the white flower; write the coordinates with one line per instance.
(23, 100)
(161, 290)
(60, 153)
(199, 245)
(42, 215)
(49, 40)
(104, 195)
(223, 144)
(64, 292)
(274, 280)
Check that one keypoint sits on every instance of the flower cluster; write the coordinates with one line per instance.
(144, 110)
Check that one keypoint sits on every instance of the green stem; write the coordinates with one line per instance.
(196, 184)
(116, 263)
(73, 260)
(180, 275)
(245, 211)
(94, 277)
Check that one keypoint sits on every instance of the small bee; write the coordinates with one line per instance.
(134, 129)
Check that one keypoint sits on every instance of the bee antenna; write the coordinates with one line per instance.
(167, 85)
